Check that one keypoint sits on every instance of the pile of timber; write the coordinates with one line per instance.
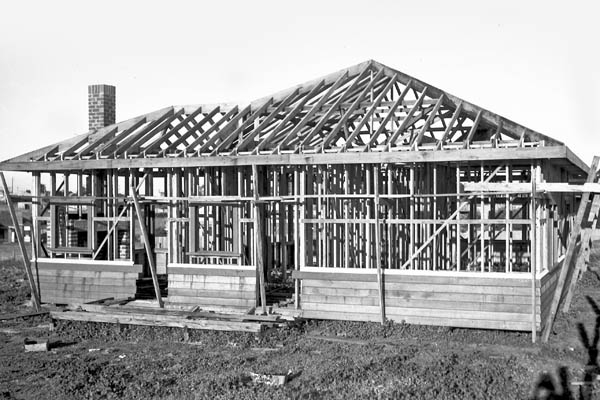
(131, 315)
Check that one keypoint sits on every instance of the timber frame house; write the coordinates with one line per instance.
(369, 194)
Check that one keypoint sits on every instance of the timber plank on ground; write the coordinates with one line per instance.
(159, 320)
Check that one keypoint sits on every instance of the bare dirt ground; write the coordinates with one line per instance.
(323, 360)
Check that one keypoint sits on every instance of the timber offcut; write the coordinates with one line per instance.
(364, 195)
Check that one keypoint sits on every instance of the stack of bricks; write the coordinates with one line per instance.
(101, 106)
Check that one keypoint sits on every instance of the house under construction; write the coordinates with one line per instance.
(363, 195)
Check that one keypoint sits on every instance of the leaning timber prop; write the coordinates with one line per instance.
(149, 254)
(578, 239)
(35, 296)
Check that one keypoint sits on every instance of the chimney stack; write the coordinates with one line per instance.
(101, 106)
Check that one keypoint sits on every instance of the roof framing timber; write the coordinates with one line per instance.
(365, 113)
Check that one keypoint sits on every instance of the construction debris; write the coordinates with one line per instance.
(270, 379)
(34, 345)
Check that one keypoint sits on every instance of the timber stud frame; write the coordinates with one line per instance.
(372, 194)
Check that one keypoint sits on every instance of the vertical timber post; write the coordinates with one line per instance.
(533, 249)
(258, 239)
(378, 245)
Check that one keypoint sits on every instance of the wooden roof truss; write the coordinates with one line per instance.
(365, 108)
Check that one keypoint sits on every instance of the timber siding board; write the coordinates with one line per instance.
(471, 302)
(212, 301)
(242, 280)
(95, 267)
(442, 280)
(211, 272)
(411, 303)
(212, 287)
(459, 323)
(238, 294)
(54, 273)
(417, 295)
(72, 282)
(424, 287)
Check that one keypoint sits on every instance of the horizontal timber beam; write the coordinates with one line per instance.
(518, 187)
(459, 155)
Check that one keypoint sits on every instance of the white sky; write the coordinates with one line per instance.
(535, 62)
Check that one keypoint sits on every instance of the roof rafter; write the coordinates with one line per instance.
(349, 112)
(405, 122)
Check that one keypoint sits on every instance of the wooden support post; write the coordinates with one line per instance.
(411, 188)
(508, 233)
(378, 245)
(35, 296)
(533, 256)
(297, 253)
(458, 207)
(346, 216)
(259, 239)
(482, 227)
(53, 216)
(35, 214)
(435, 201)
(149, 252)
(390, 246)
(369, 241)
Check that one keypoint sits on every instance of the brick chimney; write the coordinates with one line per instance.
(101, 106)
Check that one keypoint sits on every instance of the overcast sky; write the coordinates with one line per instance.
(535, 62)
